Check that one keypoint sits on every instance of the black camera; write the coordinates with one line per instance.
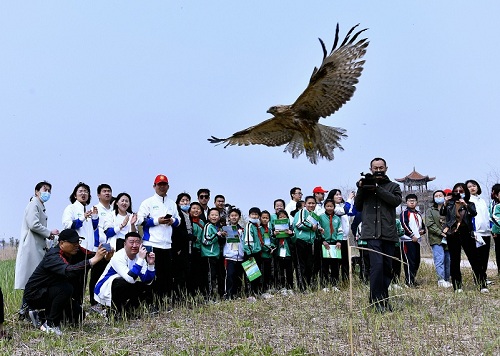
(455, 196)
(369, 180)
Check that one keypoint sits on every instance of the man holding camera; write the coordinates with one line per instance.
(126, 282)
(58, 282)
(377, 199)
(157, 215)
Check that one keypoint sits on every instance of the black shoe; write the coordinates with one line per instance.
(379, 308)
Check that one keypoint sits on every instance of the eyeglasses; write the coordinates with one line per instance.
(411, 201)
(204, 196)
(299, 193)
(459, 190)
(134, 242)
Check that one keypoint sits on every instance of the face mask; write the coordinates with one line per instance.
(439, 200)
(184, 207)
(462, 195)
(44, 196)
(254, 221)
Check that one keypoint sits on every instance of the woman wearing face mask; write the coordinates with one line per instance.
(182, 237)
(459, 233)
(435, 223)
(34, 236)
(124, 222)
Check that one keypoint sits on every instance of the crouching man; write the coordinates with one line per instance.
(58, 282)
(126, 281)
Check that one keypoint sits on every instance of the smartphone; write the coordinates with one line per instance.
(168, 216)
(107, 247)
(149, 248)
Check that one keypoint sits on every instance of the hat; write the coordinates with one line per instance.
(70, 235)
(447, 191)
(319, 189)
(161, 179)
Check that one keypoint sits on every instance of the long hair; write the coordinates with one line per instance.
(117, 199)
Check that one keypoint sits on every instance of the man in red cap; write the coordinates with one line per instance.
(319, 195)
(158, 214)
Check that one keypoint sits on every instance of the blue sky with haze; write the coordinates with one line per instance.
(119, 91)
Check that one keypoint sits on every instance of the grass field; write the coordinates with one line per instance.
(426, 321)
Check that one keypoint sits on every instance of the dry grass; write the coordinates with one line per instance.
(427, 321)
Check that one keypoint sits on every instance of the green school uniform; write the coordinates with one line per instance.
(210, 241)
(252, 241)
(331, 224)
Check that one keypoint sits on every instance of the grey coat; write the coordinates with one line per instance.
(32, 242)
(378, 210)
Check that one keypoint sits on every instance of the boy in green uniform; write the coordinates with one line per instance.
(253, 247)
(210, 251)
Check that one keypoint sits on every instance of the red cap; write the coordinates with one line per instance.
(447, 191)
(161, 179)
(319, 189)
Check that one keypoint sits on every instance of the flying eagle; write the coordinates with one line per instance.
(331, 85)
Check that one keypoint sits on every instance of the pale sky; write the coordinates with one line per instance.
(119, 91)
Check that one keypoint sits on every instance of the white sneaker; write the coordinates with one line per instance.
(335, 289)
(267, 296)
(485, 290)
(33, 314)
(395, 286)
(51, 330)
(459, 290)
(251, 299)
(290, 292)
(444, 284)
(326, 290)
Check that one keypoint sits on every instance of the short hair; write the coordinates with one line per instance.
(411, 196)
(309, 197)
(132, 234)
(118, 197)
(180, 196)
(279, 200)
(218, 196)
(328, 201)
(479, 191)
(235, 210)
(434, 204)
(213, 209)
(72, 197)
(282, 211)
(103, 186)
(265, 212)
(254, 210)
(378, 159)
(39, 185)
(293, 190)
(195, 203)
(202, 190)
(495, 189)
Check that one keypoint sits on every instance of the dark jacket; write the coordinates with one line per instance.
(56, 269)
(468, 211)
(378, 210)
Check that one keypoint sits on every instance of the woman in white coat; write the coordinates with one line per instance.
(34, 235)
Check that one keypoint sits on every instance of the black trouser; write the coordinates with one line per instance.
(396, 264)
(285, 272)
(497, 251)
(380, 269)
(254, 287)
(209, 265)
(180, 270)
(58, 304)
(344, 262)
(162, 285)
(305, 260)
(195, 278)
(330, 270)
(317, 256)
(411, 256)
(2, 316)
(127, 296)
(95, 273)
(364, 270)
(457, 241)
(267, 273)
(234, 278)
(221, 274)
(484, 253)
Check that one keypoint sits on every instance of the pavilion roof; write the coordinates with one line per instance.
(415, 177)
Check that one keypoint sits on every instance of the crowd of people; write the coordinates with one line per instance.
(172, 250)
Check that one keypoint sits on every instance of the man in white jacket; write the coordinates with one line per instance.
(157, 215)
(126, 281)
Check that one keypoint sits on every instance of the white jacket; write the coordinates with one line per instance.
(482, 219)
(156, 234)
(77, 211)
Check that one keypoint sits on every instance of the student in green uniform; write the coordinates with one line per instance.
(253, 248)
(331, 240)
(283, 254)
(268, 247)
(210, 251)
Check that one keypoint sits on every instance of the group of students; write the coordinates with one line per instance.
(182, 248)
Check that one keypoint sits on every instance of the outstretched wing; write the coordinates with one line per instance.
(271, 132)
(332, 85)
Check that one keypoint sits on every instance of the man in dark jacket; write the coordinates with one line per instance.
(377, 199)
(58, 282)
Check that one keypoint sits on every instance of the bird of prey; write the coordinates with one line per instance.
(331, 85)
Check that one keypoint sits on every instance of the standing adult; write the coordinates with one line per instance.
(106, 228)
(459, 232)
(85, 222)
(482, 229)
(295, 196)
(158, 214)
(319, 195)
(33, 238)
(124, 218)
(203, 195)
(377, 199)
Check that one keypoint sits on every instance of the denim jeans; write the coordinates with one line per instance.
(441, 262)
